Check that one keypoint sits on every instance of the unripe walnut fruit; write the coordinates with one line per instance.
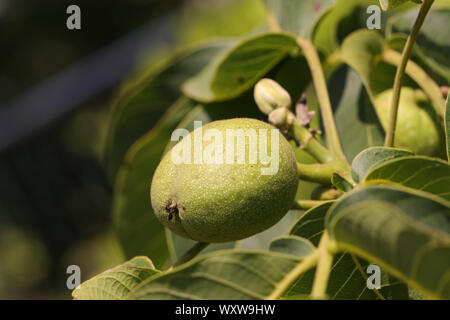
(417, 128)
(220, 202)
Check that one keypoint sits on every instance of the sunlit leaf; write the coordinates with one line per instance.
(220, 275)
(372, 157)
(426, 174)
(116, 283)
(237, 69)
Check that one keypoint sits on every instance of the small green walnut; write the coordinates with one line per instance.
(225, 181)
(417, 127)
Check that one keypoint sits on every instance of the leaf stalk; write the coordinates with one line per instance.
(390, 134)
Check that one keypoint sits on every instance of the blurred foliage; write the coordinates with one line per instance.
(199, 19)
(55, 195)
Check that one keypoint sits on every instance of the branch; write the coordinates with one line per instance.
(323, 268)
(307, 263)
(428, 85)
(191, 253)
(390, 133)
(306, 204)
(320, 84)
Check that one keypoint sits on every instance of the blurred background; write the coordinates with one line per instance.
(56, 88)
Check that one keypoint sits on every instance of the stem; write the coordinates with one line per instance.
(390, 134)
(317, 172)
(306, 204)
(307, 263)
(191, 253)
(413, 70)
(312, 57)
(323, 268)
(309, 143)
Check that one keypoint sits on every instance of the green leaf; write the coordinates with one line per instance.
(422, 173)
(447, 126)
(341, 183)
(391, 4)
(220, 275)
(403, 231)
(138, 107)
(362, 50)
(198, 87)
(293, 245)
(372, 157)
(357, 124)
(311, 224)
(236, 70)
(326, 33)
(116, 283)
(432, 45)
(138, 230)
(298, 17)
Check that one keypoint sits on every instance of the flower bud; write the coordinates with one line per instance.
(280, 118)
(269, 95)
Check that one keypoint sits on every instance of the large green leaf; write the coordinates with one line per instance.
(137, 228)
(298, 17)
(372, 157)
(138, 107)
(220, 275)
(236, 70)
(116, 283)
(406, 232)
(417, 172)
(447, 126)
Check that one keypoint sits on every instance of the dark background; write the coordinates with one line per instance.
(55, 197)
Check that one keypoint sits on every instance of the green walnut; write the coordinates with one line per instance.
(225, 181)
(417, 127)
